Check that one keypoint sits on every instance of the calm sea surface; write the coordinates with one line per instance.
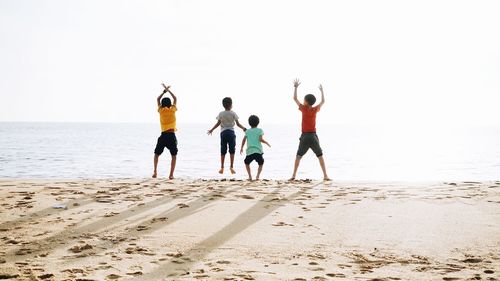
(88, 150)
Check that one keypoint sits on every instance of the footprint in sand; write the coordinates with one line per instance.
(162, 219)
(107, 215)
(78, 249)
(182, 205)
(317, 256)
(174, 255)
(136, 273)
(339, 275)
(139, 250)
(113, 277)
(23, 252)
(46, 276)
(245, 276)
(280, 223)
(104, 199)
(472, 260)
(142, 227)
(74, 271)
(217, 269)
(8, 275)
(316, 269)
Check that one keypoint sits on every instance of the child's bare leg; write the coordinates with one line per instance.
(259, 171)
(323, 168)
(231, 156)
(222, 157)
(249, 172)
(296, 167)
(155, 165)
(172, 166)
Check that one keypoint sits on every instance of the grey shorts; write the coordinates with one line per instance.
(309, 140)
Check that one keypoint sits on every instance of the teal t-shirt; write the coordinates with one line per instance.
(253, 141)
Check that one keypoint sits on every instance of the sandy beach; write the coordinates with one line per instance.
(144, 229)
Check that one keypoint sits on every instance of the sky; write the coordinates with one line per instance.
(426, 63)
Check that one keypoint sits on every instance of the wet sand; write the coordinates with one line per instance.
(145, 229)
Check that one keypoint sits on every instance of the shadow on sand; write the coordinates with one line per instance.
(257, 212)
(67, 236)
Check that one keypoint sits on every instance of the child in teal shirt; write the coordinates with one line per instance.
(254, 147)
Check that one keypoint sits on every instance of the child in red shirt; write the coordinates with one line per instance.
(309, 138)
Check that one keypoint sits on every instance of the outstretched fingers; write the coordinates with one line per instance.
(296, 83)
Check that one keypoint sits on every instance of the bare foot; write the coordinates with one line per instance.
(233, 171)
(221, 171)
(257, 178)
(326, 179)
(171, 177)
(154, 175)
(249, 179)
(291, 179)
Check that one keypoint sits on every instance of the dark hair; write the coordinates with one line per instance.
(166, 102)
(311, 99)
(253, 120)
(227, 103)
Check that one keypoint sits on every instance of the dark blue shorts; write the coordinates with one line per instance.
(227, 140)
(168, 140)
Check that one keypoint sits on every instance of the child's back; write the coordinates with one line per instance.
(167, 118)
(254, 144)
(227, 120)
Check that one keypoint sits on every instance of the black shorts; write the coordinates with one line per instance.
(309, 140)
(168, 140)
(227, 140)
(257, 157)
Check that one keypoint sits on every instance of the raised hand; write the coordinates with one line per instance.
(296, 83)
(320, 88)
(166, 87)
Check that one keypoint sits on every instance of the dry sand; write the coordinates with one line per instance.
(145, 229)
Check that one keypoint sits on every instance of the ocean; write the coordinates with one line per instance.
(93, 150)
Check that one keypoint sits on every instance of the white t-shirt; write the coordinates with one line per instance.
(227, 120)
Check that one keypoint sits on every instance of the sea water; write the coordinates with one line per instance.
(352, 153)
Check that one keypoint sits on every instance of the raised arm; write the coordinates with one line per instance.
(158, 99)
(174, 98)
(322, 96)
(241, 126)
(214, 127)
(296, 84)
(243, 144)
(262, 140)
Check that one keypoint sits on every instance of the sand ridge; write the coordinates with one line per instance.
(152, 229)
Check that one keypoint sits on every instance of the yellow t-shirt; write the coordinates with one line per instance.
(167, 118)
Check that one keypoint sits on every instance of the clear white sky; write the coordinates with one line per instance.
(427, 62)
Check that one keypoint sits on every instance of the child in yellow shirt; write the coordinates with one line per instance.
(168, 127)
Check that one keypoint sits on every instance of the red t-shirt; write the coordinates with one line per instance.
(308, 118)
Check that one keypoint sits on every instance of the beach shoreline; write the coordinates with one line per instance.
(156, 229)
